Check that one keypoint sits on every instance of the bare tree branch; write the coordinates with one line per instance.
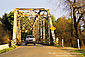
(81, 17)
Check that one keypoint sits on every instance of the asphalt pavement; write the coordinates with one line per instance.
(38, 51)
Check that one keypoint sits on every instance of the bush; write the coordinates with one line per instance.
(4, 37)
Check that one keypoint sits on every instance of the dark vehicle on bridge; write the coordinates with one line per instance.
(30, 39)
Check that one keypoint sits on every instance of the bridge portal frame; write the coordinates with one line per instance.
(17, 28)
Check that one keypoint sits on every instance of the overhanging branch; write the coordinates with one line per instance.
(79, 7)
(80, 17)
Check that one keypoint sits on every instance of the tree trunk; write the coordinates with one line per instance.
(81, 42)
(76, 29)
(79, 36)
(84, 25)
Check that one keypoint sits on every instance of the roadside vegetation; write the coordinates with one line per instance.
(81, 52)
(6, 28)
(8, 49)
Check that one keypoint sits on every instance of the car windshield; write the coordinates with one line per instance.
(30, 37)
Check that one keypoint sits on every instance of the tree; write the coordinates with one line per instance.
(0, 20)
(76, 7)
(63, 30)
(4, 37)
(78, 13)
(7, 21)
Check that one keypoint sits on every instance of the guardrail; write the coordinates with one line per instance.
(4, 46)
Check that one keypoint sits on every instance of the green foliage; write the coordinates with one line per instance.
(6, 27)
(23, 35)
(82, 52)
(5, 50)
(57, 46)
(53, 20)
(26, 24)
(46, 27)
(0, 21)
(7, 20)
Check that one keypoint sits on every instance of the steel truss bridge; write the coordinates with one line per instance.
(37, 17)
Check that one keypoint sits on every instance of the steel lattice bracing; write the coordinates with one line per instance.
(37, 17)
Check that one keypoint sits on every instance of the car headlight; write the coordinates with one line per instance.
(33, 39)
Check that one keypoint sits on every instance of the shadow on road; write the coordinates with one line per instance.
(67, 49)
(37, 45)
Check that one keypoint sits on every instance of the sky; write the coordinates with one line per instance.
(7, 6)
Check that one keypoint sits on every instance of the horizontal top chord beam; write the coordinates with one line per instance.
(31, 9)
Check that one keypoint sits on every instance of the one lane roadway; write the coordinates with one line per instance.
(38, 51)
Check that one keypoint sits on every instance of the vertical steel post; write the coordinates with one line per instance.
(44, 30)
(34, 29)
(19, 33)
(49, 29)
(15, 26)
(50, 24)
(41, 29)
(38, 30)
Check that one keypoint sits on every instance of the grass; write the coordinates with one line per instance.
(82, 52)
(56, 46)
(5, 50)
